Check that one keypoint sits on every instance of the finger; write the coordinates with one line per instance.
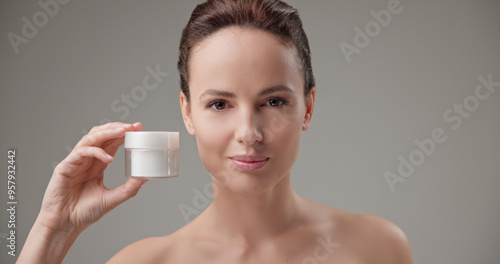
(83, 153)
(79, 159)
(122, 193)
(137, 126)
(108, 125)
(99, 136)
(112, 146)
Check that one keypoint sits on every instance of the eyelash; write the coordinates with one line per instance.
(212, 104)
(282, 102)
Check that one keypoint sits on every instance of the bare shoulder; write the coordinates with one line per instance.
(362, 238)
(380, 240)
(149, 250)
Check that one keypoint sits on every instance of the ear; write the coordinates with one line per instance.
(310, 100)
(186, 113)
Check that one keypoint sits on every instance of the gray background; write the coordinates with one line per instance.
(368, 112)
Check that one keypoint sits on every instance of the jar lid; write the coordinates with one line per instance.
(154, 139)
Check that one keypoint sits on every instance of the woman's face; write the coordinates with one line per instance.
(247, 108)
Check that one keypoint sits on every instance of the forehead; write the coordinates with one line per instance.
(238, 56)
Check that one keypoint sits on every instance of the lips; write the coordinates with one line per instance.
(249, 163)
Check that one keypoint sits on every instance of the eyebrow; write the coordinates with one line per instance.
(270, 90)
(217, 93)
(278, 88)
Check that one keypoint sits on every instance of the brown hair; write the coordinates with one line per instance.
(273, 16)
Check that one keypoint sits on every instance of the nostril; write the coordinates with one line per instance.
(247, 129)
(259, 136)
(249, 136)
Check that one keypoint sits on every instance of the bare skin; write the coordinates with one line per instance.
(326, 235)
(76, 196)
(247, 110)
(255, 216)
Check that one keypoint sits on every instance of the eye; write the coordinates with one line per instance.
(218, 105)
(275, 102)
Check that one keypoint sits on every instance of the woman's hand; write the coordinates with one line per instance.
(76, 197)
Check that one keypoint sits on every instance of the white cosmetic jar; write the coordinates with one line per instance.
(151, 155)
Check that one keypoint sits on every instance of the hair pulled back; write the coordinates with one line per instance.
(272, 16)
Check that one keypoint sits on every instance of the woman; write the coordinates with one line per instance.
(247, 93)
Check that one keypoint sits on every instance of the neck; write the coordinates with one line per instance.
(252, 218)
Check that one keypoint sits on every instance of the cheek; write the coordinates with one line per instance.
(284, 141)
(211, 138)
(286, 124)
(283, 132)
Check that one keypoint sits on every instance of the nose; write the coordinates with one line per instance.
(247, 129)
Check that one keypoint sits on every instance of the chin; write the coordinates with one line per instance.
(246, 183)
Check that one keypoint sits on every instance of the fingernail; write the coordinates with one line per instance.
(137, 123)
(119, 128)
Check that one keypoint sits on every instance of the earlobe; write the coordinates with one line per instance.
(310, 100)
(186, 113)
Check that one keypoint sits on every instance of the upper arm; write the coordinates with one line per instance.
(388, 243)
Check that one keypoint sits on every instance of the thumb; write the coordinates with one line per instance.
(124, 192)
